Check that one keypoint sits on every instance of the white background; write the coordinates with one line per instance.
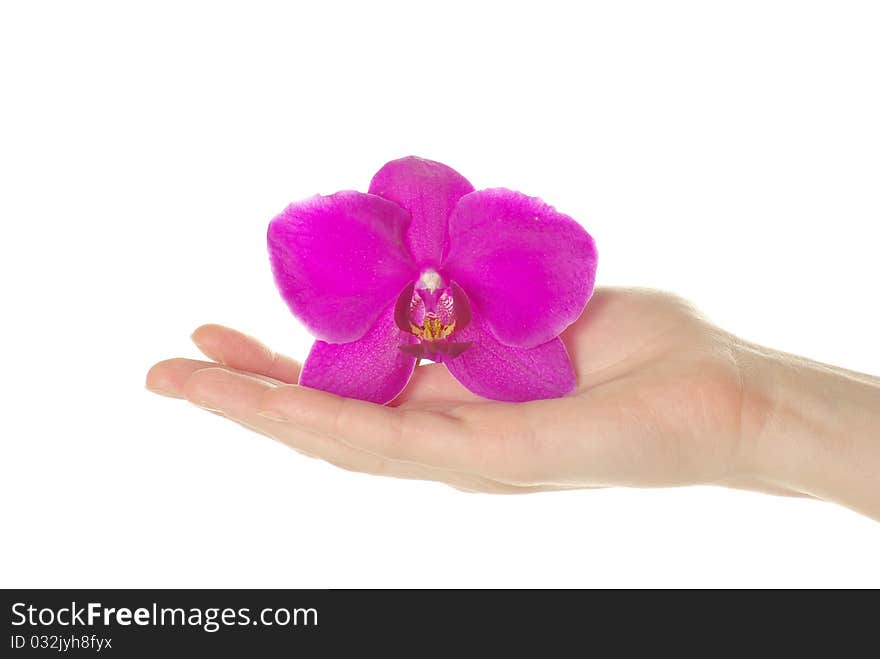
(727, 151)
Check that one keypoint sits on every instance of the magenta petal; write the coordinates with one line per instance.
(429, 191)
(529, 269)
(372, 368)
(339, 261)
(493, 370)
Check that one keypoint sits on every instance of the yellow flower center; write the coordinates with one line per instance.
(432, 328)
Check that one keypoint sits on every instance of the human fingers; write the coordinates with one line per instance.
(429, 437)
(499, 442)
(238, 396)
(168, 377)
(244, 353)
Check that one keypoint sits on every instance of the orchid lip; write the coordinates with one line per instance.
(432, 310)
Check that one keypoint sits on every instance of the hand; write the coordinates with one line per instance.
(658, 403)
(664, 398)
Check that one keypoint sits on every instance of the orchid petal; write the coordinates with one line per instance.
(528, 268)
(372, 368)
(493, 370)
(429, 191)
(339, 261)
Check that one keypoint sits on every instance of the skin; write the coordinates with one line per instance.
(664, 398)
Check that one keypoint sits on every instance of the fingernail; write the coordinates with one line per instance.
(205, 406)
(272, 415)
(163, 392)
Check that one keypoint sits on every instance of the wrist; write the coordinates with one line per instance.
(811, 428)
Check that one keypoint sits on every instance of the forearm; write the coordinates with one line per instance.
(812, 428)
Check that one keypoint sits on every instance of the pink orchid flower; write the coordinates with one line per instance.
(422, 266)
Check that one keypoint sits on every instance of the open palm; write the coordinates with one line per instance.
(658, 403)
